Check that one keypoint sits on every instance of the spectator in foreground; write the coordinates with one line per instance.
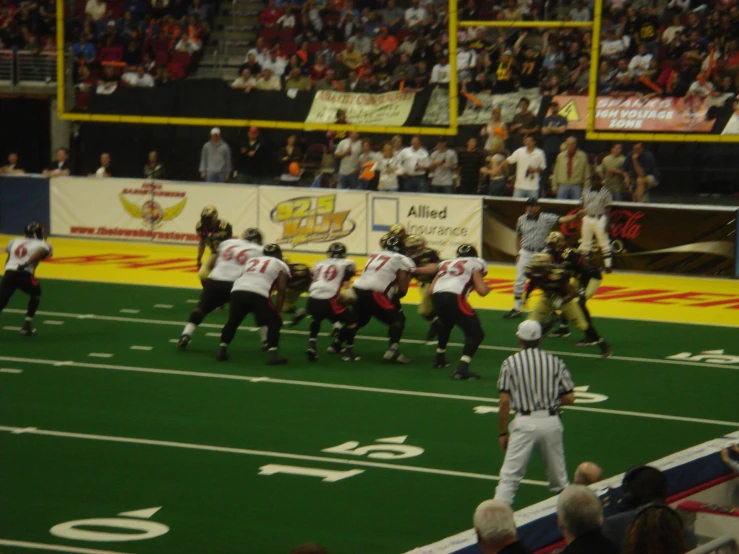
(215, 159)
(443, 164)
(414, 162)
(496, 529)
(268, 81)
(60, 167)
(290, 155)
(580, 518)
(471, 159)
(587, 473)
(726, 458)
(530, 162)
(571, 172)
(656, 529)
(104, 171)
(154, 169)
(387, 165)
(12, 167)
(348, 152)
(641, 168)
(614, 177)
(245, 82)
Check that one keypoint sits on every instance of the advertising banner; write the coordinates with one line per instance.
(479, 113)
(445, 221)
(732, 126)
(391, 108)
(644, 237)
(134, 209)
(309, 220)
(635, 114)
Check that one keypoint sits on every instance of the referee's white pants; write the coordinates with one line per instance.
(543, 432)
(524, 257)
(595, 226)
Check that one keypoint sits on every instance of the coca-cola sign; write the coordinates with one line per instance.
(624, 224)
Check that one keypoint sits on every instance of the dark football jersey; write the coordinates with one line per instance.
(555, 281)
(572, 261)
(424, 257)
(300, 277)
(214, 235)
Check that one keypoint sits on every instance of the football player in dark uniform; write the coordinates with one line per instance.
(585, 278)
(427, 264)
(212, 232)
(558, 295)
(396, 230)
(298, 283)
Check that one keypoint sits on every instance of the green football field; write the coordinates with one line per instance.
(101, 415)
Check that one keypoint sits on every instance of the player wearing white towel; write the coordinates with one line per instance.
(24, 254)
(449, 291)
(223, 269)
(384, 280)
(252, 293)
(329, 277)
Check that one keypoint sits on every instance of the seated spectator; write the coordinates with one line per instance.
(581, 12)
(421, 78)
(354, 84)
(341, 70)
(13, 167)
(245, 82)
(401, 83)
(656, 528)
(416, 15)
(251, 64)
(154, 169)
(348, 27)
(287, 20)
(383, 69)
(360, 42)
(108, 79)
(163, 77)
(275, 63)
(496, 529)
(84, 47)
(138, 78)
(96, 9)
(408, 46)
(580, 518)
(270, 15)
(60, 167)
(669, 34)
(260, 51)
(104, 171)
(366, 69)
(587, 473)
(387, 42)
(294, 63)
(305, 29)
(289, 154)
(512, 12)
(351, 57)
(612, 47)
(393, 16)
(372, 24)
(440, 72)
(605, 77)
(327, 82)
(551, 86)
(318, 69)
(190, 42)
(639, 64)
(580, 77)
(296, 80)
(268, 81)
(132, 54)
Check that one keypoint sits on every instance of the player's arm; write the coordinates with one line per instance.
(281, 289)
(35, 258)
(349, 274)
(430, 291)
(570, 293)
(428, 269)
(567, 218)
(404, 279)
(478, 281)
(201, 251)
(567, 399)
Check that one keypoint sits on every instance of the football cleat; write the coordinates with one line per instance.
(562, 332)
(28, 329)
(393, 355)
(265, 346)
(440, 361)
(605, 348)
(312, 355)
(183, 342)
(462, 373)
(222, 354)
(513, 314)
(348, 355)
(274, 358)
(334, 348)
(586, 342)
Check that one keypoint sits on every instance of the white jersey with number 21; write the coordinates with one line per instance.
(232, 256)
(456, 275)
(260, 275)
(381, 270)
(21, 250)
(329, 275)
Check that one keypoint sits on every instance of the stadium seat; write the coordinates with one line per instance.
(314, 47)
(162, 58)
(176, 71)
(159, 44)
(83, 99)
(336, 46)
(182, 58)
(313, 157)
(268, 34)
(289, 48)
(286, 34)
(110, 54)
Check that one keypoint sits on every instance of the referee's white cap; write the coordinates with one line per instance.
(529, 330)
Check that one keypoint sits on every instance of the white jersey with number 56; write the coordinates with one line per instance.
(329, 275)
(21, 250)
(232, 256)
(456, 275)
(381, 271)
(260, 275)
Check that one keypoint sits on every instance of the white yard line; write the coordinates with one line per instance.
(55, 547)
(99, 355)
(9, 370)
(143, 348)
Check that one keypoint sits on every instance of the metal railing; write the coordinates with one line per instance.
(7, 67)
(721, 545)
(25, 68)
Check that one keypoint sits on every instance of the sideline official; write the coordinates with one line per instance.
(534, 384)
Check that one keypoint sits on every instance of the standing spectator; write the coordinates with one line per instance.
(552, 130)
(215, 159)
(641, 169)
(471, 161)
(251, 157)
(496, 131)
(534, 384)
(290, 157)
(466, 62)
(571, 172)
(12, 167)
(530, 162)
(524, 123)
(104, 170)
(614, 177)
(387, 165)
(580, 518)
(154, 169)
(270, 15)
(443, 164)
(496, 175)
(414, 162)
(587, 473)
(61, 166)
(496, 529)
(366, 164)
(348, 152)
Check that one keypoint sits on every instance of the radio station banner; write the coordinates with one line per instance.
(644, 237)
(445, 221)
(309, 220)
(634, 114)
(389, 109)
(135, 209)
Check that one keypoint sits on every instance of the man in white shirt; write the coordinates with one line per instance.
(104, 171)
(581, 12)
(440, 72)
(530, 161)
(640, 63)
(268, 81)
(139, 78)
(414, 162)
(246, 82)
(611, 47)
(443, 163)
(348, 151)
(415, 15)
(261, 53)
(274, 63)
(466, 62)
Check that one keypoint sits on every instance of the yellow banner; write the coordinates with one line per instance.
(389, 109)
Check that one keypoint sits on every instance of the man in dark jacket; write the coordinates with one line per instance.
(580, 518)
(251, 156)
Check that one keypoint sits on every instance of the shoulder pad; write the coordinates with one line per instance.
(198, 226)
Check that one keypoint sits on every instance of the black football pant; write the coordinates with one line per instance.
(25, 282)
(244, 303)
(453, 309)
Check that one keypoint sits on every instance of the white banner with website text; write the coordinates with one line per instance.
(445, 221)
(309, 220)
(391, 108)
(134, 209)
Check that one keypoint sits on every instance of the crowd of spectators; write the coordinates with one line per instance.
(29, 26)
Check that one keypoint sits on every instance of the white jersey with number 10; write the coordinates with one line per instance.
(232, 256)
(456, 275)
(260, 275)
(20, 251)
(381, 271)
(329, 275)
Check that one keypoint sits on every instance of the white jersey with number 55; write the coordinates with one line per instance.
(260, 275)
(381, 271)
(329, 275)
(456, 275)
(232, 256)
(21, 250)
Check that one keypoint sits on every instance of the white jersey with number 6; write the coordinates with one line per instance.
(329, 275)
(21, 250)
(232, 256)
(456, 275)
(260, 275)
(381, 270)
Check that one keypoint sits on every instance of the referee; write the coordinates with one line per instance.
(534, 384)
(596, 203)
(532, 230)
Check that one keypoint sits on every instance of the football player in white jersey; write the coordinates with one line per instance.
(23, 257)
(449, 292)
(223, 269)
(252, 293)
(329, 277)
(385, 280)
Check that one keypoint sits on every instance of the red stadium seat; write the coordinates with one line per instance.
(268, 34)
(83, 98)
(336, 46)
(159, 44)
(289, 48)
(162, 58)
(286, 34)
(110, 54)
(182, 58)
(117, 9)
(314, 47)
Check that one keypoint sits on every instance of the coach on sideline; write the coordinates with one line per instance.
(532, 230)
(534, 384)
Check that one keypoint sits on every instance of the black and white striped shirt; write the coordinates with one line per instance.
(595, 202)
(534, 230)
(535, 380)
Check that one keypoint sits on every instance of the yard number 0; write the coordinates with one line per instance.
(133, 521)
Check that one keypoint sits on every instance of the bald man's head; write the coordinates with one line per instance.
(588, 473)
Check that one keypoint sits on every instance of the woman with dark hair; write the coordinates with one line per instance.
(290, 157)
(656, 529)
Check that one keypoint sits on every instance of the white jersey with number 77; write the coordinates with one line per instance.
(381, 270)
(456, 275)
